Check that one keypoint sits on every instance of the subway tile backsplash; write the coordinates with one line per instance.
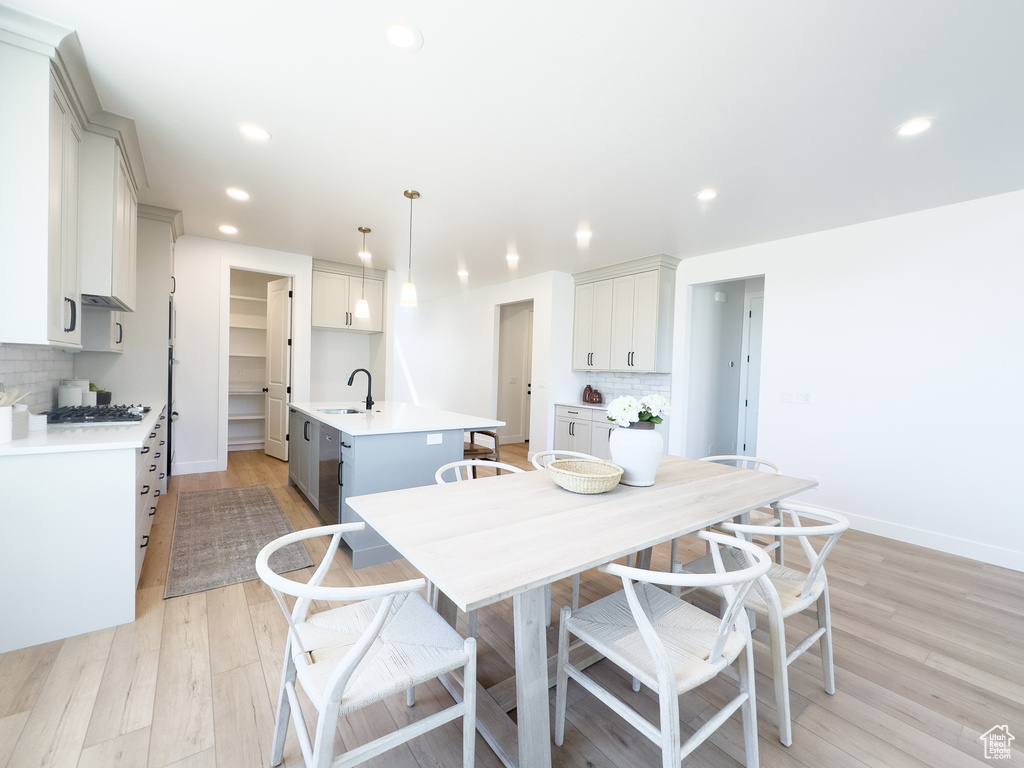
(612, 385)
(35, 369)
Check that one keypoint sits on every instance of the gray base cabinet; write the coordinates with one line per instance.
(376, 463)
(304, 455)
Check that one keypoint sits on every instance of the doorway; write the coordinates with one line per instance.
(259, 362)
(515, 354)
(724, 367)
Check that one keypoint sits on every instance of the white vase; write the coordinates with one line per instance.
(638, 451)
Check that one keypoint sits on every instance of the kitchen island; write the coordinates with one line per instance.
(342, 449)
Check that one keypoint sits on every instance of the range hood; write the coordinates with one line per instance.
(104, 302)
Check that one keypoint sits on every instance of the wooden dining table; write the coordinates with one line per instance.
(508, 536)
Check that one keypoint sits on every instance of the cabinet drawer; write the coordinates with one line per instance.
(571, 412)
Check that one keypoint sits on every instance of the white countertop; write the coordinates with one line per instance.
(592, 406)
(67, 438)
(392, 417)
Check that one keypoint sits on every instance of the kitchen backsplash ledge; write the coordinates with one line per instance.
(37, 370)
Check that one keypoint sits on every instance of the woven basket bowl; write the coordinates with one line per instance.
(585, 476)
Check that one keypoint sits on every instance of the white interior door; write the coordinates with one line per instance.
(750, 383)
(279, 332)
(528, 376)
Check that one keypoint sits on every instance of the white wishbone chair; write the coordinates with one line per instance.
(785, 592)
(384, 640)
(762, 515)
(669, 645)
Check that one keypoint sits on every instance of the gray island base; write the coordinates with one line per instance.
(341, 450)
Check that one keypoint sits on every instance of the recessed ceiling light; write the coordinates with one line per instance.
(238, 194)
(707, 194)
(914, 127)
(227, 229)
(405, 36)
(254, 132)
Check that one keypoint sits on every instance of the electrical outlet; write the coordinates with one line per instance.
(804, 398)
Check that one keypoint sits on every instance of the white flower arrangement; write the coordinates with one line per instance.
(627, 409)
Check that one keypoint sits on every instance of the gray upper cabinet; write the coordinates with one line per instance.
(623, 316)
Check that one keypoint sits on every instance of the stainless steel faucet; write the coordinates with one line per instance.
(369, 385)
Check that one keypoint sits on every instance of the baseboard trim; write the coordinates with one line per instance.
(952, 545)
(195, 467)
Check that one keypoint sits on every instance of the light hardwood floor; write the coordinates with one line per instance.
(928, 652)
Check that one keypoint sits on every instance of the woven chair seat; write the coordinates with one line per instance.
(414, 645)
(787, 582)
(687, 632)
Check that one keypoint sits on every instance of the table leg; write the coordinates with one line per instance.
(532, 679)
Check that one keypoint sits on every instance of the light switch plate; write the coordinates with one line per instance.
(434, 439)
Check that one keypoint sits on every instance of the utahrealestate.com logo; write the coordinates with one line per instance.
(997, 742)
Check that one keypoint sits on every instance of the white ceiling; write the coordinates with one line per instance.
(518, 122)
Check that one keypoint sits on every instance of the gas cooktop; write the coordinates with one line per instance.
(96, 414)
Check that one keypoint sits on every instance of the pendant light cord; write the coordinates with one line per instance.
(410, 238)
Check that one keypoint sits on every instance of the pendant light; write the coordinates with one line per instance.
(363, 306)
(408, 297)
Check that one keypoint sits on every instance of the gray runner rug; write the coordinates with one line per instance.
(217, 535)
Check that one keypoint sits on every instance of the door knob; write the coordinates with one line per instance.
(265, 389)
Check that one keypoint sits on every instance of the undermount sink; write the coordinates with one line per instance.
(339, 410)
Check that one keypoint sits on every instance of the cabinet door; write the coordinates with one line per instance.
(592, 326)
(622, 322)
(330, 300)
(600, 430)
(124, 268)
(645, 322)
(582, 329)
(563, 434)
(64, 321)
(102, 330)
(373, 290)
(298, 450)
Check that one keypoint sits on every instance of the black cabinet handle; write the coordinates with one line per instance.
(120, 333)
(161, 442)
(339, 472)
(156, 455)
(145, 449)
(152, 434)
(162, 475)
(174, 284)
(152, 511)
(265, 389)
(152, 467)
(305, 431)
(74, 315)
(156, 494)
(145, 490)
(145, 542)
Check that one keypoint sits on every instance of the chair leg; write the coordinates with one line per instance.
(469, 699)
(825, 622)
(576, 592)
(671, 739)
(284, 707)
(780, 675)
(547, 605)
(674, 556)
(561, 676)
(326, 729)
(410, 696)
(749, 707)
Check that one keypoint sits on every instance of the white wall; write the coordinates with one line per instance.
(904, 332)
(446, 351)
(203, 274)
